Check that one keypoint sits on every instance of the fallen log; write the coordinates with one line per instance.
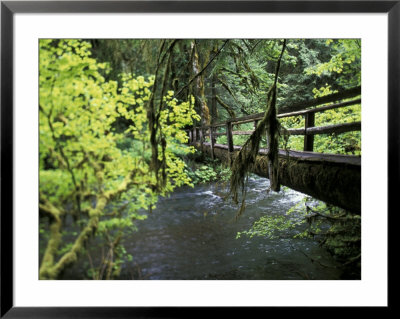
(334, 179)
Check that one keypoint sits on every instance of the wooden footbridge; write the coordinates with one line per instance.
(335, 179)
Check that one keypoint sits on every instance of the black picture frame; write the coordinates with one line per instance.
(9, 8)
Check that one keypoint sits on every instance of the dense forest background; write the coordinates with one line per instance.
(113, 115)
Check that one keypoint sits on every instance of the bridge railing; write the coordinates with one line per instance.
(199, 133)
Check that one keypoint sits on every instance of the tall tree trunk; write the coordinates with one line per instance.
(200, 98)
(214, 111)
(214, 80)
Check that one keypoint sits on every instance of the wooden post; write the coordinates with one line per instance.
(309, 139)
(190, 137)
(255, 124)
(268, 142)
(201, 137)
(230, 141)
(212, 141)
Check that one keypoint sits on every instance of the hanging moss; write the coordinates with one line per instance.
(334, 183)
(245, 160)
(153, 115)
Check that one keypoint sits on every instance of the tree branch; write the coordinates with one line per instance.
(226, 107)
(202, 71)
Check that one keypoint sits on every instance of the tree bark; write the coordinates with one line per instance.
(200, 98)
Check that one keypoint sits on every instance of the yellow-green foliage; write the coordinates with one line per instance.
(345, 143)
(81, 161)
(346, 52)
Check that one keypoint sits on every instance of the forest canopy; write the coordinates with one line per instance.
(113, 115)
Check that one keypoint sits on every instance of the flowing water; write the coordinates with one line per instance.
(192, 235)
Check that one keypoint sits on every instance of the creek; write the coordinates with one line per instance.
(191, 235)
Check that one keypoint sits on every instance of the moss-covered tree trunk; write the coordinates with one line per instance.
(334, 183)
(199, 88)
